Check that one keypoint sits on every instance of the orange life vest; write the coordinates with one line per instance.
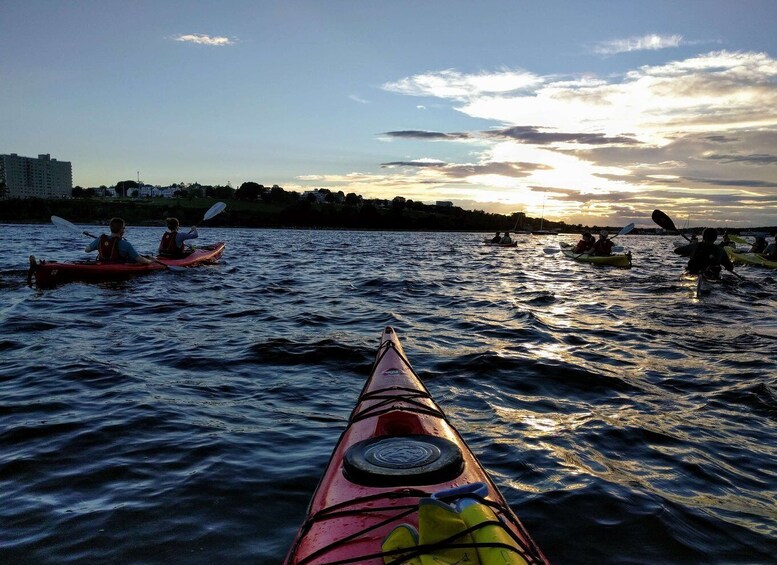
(108, 248)
(168, 247)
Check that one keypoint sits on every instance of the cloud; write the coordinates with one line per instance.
(689, 135)
(429, 135)
(757, 159)
(650, 42)
(531, 134)
(200, 39)
(454, 84)
(357, 98)
(744, 183)
(417, 163)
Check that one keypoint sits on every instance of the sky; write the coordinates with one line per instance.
(592, 112)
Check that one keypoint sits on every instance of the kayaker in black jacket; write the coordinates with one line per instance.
(708, 258)
(759, 246)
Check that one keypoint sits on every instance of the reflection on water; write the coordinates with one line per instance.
(186, 417)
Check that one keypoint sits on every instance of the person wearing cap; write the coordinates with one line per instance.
(708, 258)
(603, 245)
(759, 246)
(586, 244)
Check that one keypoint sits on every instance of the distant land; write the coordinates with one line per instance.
(283, 209)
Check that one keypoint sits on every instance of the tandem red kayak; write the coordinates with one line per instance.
(403, 487)
(51, 273)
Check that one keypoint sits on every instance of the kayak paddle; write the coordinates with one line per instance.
(666, 222)
(63, 223)
(214, 210)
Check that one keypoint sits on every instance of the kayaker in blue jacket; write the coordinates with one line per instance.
(172, 244)
(708, 258)
(114, 248)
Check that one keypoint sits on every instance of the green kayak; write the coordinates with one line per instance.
(616, 260)
(750, 259)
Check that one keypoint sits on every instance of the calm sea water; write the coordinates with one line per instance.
(187, 417)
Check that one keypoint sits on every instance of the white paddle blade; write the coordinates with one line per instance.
(626, 229)
(63, 223)
(214, 210)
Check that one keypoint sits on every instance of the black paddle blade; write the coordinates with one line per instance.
(663, 220)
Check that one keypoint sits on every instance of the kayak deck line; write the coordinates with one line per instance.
(398, 457)
(347, 509)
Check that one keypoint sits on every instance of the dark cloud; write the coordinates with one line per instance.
(461, 171)
(755, 159)
(736, 182)
(719, 138)
(532, 134)
(514, 170)
(418, 164)
(420, 134)
(554, 190)
(524, 134)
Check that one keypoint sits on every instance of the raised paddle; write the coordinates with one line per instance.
(214, 210)
(666, 222)
(63, 223)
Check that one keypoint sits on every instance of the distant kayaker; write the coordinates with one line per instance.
(759, 246)
(771, 250)
(708, 258)
(172, 244)
(497, 238)
(603, 246)
(586, 244)
(506, 238)
(114, 248)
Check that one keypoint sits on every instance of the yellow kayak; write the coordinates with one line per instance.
(750, 259)
(616, 260)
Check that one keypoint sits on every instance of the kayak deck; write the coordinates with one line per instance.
(397, 450)
(750, 259)
(617, 260)
(51, 273)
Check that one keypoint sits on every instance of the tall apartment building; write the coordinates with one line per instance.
(27, 177)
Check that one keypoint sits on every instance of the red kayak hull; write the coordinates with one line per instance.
(51, 273)
(347, 521)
